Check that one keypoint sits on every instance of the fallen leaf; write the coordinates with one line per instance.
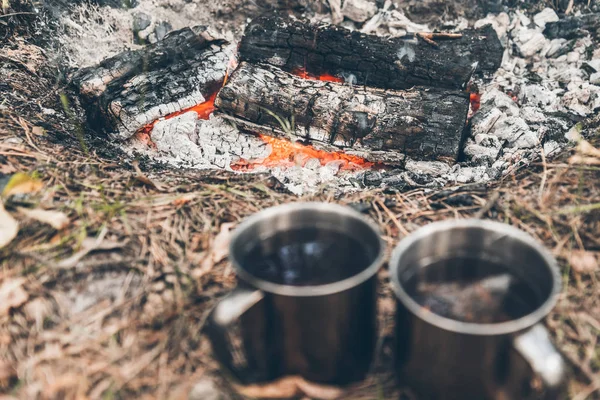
(219, 249)
(7, 169)
(55, 219)
(586, 154)
(186, 198)
(8, 227)
(38, 130)
(21, 183)
(289, 387)
(581, 160)
(584, 147)
(582, 261)
(12, 295)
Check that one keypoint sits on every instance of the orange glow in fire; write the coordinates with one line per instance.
(286, 153)
(203, 110)
(475, 99)
(323, 77)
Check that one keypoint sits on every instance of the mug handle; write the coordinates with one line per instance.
(228, 346)
(548, 366)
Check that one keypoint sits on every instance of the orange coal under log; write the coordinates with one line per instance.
(475, 99)
(323, 77)
(203, 110)
(286, 153)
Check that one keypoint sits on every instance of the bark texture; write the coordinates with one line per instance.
(126, 92)
(574, 27)
(370, 60)
(376, 124)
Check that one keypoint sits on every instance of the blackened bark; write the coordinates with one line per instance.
(132, 89)
(574, 27)
(379, 125)
(370, 60)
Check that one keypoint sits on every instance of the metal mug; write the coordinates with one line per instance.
(325, 333)
(443, 358)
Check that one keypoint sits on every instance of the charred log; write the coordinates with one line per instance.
(370, 60)
(574, 27)
(126, 92)
(376, 124)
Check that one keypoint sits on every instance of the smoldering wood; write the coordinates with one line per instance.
(128, 91)
(316, 6)
(376, 124)
(574, 27)
(370, 60)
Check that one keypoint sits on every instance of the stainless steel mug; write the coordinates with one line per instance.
(448, 357)
(323, 326)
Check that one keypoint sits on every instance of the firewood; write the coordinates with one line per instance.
(377, 124)
(370, 60)
(132, 89)
(574, 27)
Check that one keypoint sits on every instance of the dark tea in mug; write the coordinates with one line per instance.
(474, 290)
(307, 256)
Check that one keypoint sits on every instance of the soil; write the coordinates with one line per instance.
(110, 302)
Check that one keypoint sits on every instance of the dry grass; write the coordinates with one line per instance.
(112, 305)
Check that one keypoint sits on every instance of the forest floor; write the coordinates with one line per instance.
(107, 270)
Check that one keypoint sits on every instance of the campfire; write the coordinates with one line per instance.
(295, 97)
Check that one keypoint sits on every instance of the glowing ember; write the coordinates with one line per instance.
(475, 101)
(203, 110)
(323, 77)
(286, 153)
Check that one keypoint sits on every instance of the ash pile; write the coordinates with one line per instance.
(411, 103)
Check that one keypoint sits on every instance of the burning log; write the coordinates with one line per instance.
(440, 60)
(375, 124)
(133, 89)
(574, 27)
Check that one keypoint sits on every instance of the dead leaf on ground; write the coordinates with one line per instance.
(586, 154)
(12, 295)
(289, 387)
(8, 227)
(56, 219)
(582, 261)
(38, 130)
(184, 199)
(219, 249)
(7, 169)
(21, 183)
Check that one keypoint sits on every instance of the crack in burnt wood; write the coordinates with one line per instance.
(390, 63)
(376, 124)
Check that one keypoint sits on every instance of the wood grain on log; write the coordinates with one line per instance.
(574, 27)
(376, 124)
(126, 92)
(389, 63)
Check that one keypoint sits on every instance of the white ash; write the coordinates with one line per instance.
(186, 141)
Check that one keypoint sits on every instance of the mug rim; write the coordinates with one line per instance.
(309, 290)
(473, 328)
